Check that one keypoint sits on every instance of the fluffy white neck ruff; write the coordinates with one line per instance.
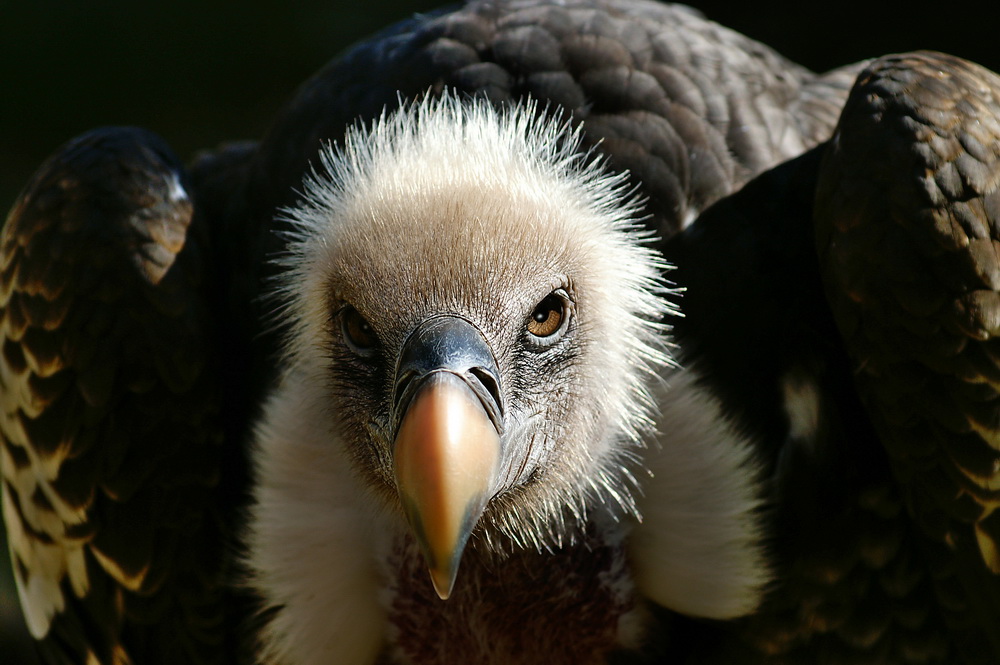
(313, 536)
(698, 549)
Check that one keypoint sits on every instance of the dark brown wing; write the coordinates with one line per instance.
(849, 582)
(109, 422)
(907, 214)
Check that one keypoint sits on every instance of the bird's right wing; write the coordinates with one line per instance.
(109, 429)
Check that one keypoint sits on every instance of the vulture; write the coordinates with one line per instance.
(532, 331)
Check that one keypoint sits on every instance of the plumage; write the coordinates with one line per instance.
(586, 331)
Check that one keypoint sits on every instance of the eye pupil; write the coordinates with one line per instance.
(357, 331)
(548, 316)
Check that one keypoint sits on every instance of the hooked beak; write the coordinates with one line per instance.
(446, 453)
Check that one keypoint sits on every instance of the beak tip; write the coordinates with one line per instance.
(443, 581)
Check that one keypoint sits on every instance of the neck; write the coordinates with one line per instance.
(575, 604)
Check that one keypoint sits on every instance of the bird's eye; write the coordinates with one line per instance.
(358, 333)
(549, 318)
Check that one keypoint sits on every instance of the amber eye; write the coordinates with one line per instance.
(549, 317)
(357, 332)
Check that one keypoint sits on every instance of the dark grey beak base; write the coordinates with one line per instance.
(452, 344)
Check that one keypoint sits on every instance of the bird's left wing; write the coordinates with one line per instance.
(908, 234)
(874, 419)
(108, 427)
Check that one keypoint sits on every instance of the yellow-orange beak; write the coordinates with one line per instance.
(445, 461)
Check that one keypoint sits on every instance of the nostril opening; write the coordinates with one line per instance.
(490, 383)
(402, 384)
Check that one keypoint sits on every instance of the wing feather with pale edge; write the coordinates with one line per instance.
(908, 233)
(109, 422)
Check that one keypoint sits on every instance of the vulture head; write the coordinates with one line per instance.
(474, 320)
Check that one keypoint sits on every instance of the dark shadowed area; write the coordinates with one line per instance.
(201, 73)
